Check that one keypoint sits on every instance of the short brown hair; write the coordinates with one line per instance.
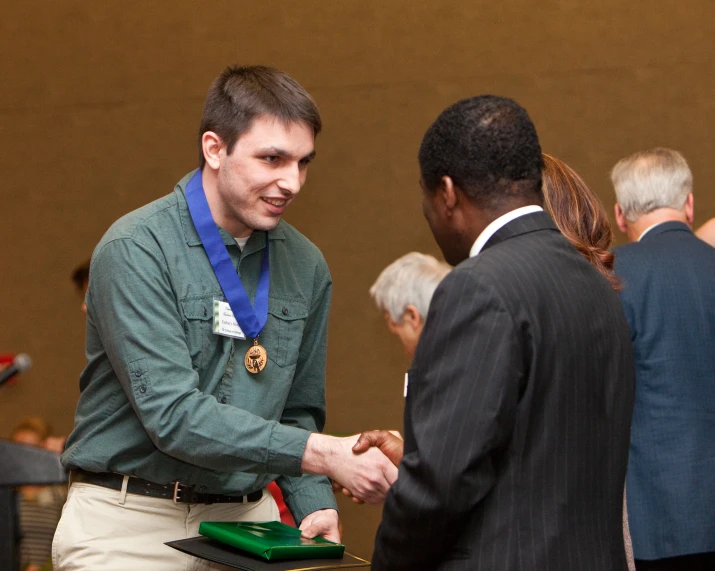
(579, 215)
(240, 94)
(34, 424)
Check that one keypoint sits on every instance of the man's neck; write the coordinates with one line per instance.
(209, 181)
(637, 228)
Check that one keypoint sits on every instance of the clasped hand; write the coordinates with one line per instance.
(389, 443)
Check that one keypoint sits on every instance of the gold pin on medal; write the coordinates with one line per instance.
(256, 358)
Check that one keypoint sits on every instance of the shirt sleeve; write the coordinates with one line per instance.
(305, 407)
(135, 311)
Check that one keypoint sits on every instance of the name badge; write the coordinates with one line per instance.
(225, 323)
(407, 382)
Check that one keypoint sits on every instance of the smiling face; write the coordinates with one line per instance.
(251, 188)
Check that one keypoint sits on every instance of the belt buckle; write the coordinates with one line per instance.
(185, 494)
(177, 493)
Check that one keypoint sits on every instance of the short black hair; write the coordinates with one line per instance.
(488, 146)
(242, 93)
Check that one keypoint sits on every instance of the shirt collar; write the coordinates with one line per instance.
(503, 220)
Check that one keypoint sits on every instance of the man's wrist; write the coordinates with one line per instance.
(311, 499)
(319, 451)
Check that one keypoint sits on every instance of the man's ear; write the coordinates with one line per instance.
(447, 194)
(212, 145)
(621, 219)
(689, 208)
(412, 316)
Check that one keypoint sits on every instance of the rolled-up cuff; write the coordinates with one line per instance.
(318, 495)
(286, 449)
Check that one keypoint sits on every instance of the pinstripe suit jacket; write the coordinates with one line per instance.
(669, 302)
(517, 416)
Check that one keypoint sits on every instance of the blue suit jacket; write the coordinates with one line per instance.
(669, 301)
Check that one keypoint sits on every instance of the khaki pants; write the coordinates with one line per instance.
(110, 530)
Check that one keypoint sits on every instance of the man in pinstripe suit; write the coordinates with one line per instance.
(520, 394)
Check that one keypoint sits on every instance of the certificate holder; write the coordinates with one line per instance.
(270, 540)
(211, 550)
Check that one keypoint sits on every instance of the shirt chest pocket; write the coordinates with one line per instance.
(284, 329)
(198, 328)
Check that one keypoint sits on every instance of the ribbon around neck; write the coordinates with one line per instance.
(250, 318)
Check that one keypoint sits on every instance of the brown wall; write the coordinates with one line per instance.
(101, 100)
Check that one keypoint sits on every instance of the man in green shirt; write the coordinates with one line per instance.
(195, 398)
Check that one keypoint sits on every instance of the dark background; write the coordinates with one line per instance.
(100, 105)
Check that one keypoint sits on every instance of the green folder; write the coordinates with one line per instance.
(271, 540)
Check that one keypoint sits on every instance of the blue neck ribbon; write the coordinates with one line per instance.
(251, 319)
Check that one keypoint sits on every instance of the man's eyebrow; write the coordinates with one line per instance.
(283, 153)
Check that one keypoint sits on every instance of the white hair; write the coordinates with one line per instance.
(409, 280)
(647, 180)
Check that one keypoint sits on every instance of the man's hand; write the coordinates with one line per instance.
(389, 443)
(368, 476)
(323, 523)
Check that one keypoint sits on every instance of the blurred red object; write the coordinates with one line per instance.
(6, 359)
(286, 516)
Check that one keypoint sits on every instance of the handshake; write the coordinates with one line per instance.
(364, 466)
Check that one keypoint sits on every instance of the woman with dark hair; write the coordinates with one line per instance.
(582, 219)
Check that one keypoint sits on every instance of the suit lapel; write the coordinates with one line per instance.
(523, 225)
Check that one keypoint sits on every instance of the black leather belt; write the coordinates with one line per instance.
(180, 493)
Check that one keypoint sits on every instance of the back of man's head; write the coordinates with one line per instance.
(649, 180)
(241, 94)
(80, 277)
(488, 146)
(409, 280)
(35, 425)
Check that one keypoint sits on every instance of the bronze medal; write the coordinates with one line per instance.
(256, 358)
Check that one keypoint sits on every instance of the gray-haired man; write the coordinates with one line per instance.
(403, 290)
(668, 295)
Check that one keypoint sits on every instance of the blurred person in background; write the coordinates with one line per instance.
(668, 294)
(40, 507)
(80, 278)
(707, 232)
(403, 292)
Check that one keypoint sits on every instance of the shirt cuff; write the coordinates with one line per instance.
(286, 449)
(310, 499)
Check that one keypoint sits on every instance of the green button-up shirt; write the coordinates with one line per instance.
(166, 399)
